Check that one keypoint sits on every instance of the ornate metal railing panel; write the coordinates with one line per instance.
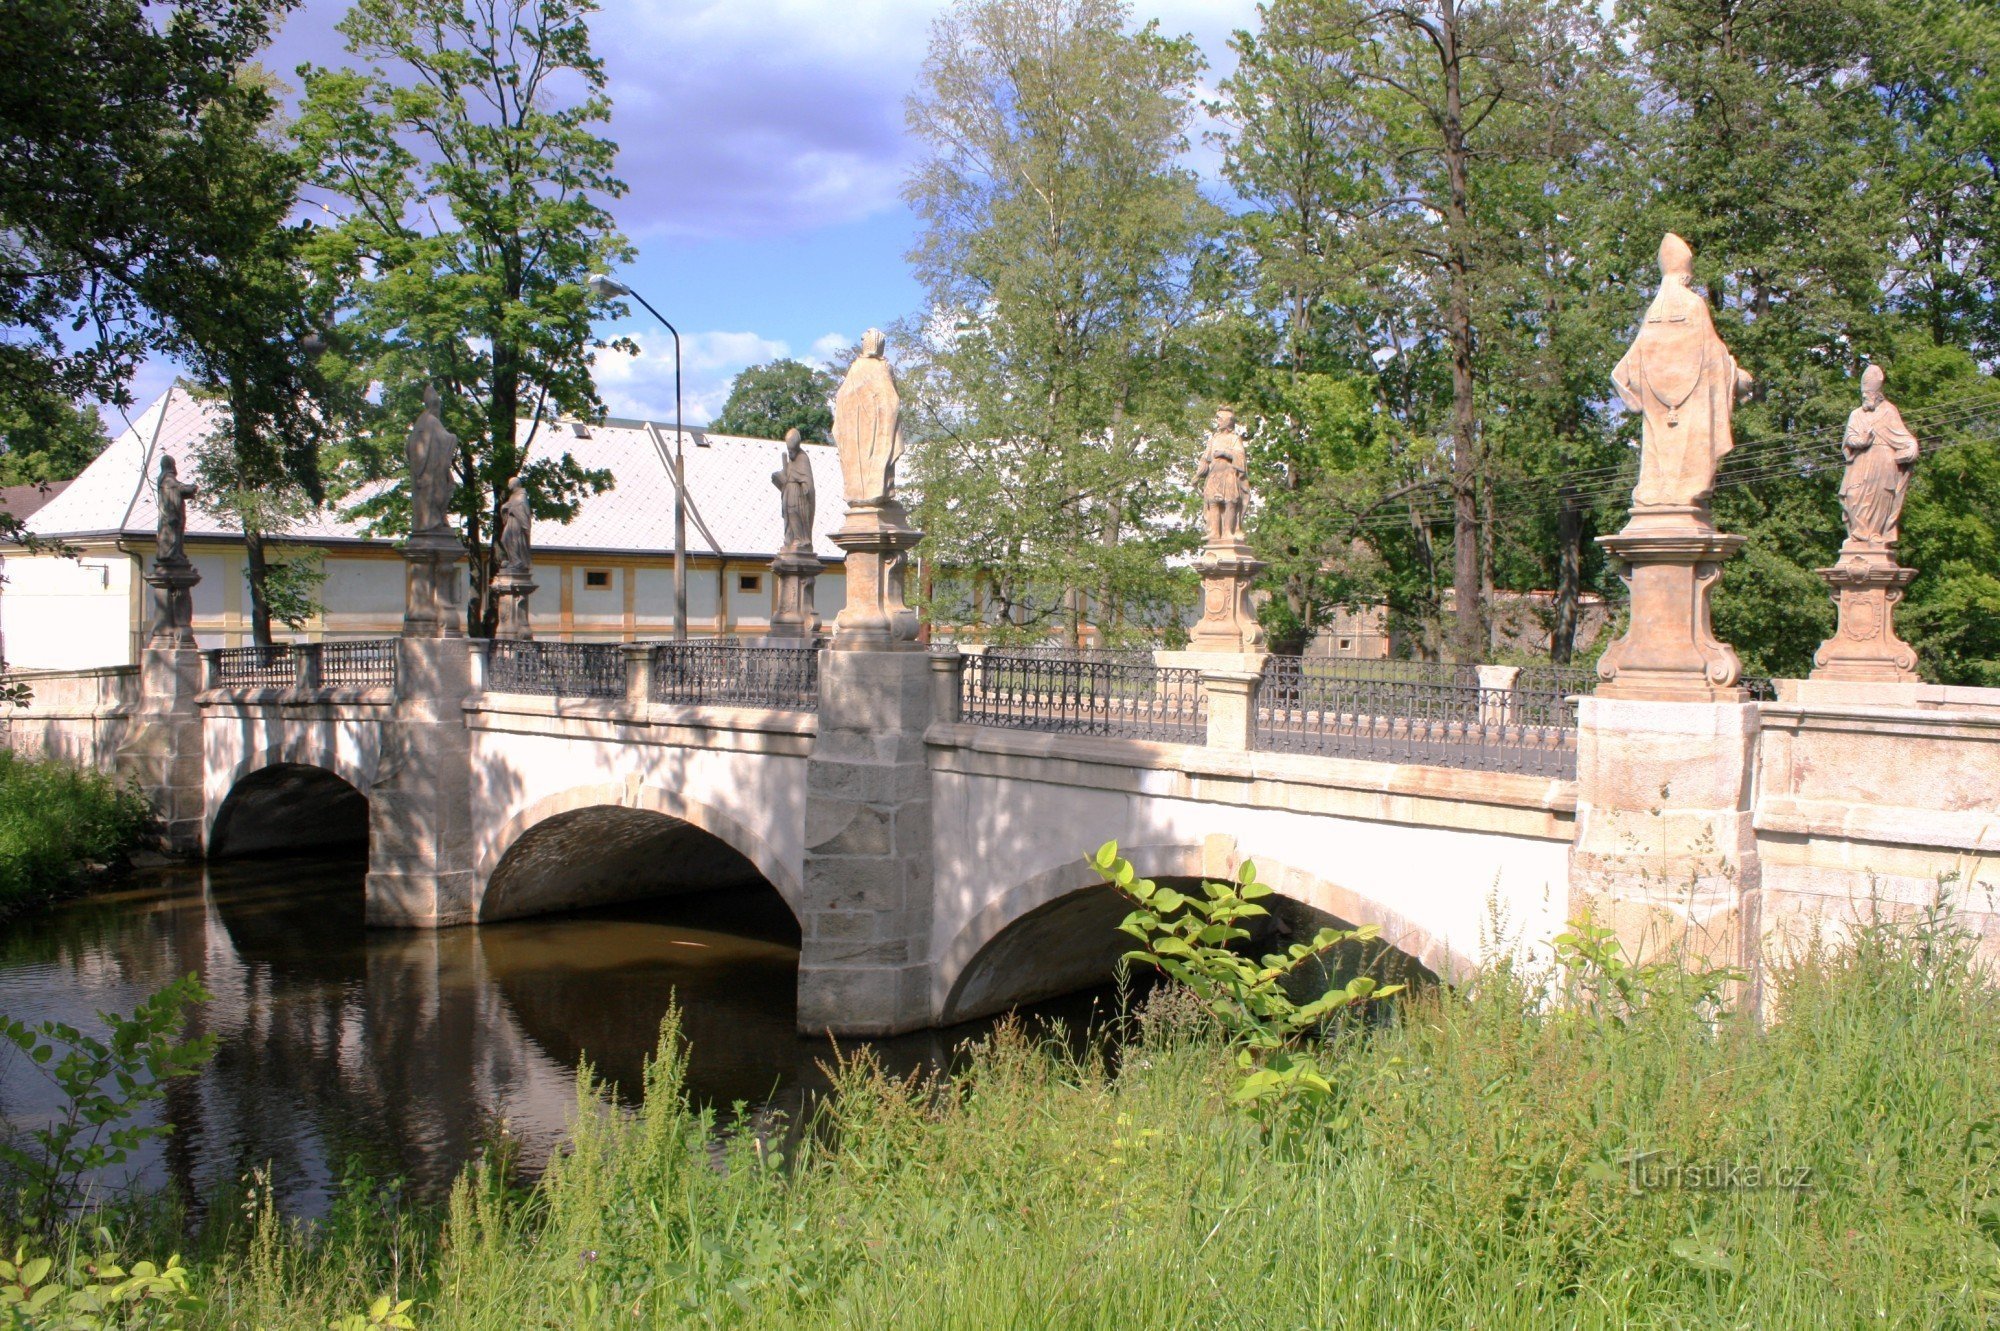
(1082, 697)
(736, 674)
(1047, 651)
(1434, 721)
(556, 669)
(255, 667)
(357, 662)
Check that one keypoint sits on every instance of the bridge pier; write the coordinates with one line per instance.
(420, 834)
(1666, 844)
(865, 916)
(163, 750)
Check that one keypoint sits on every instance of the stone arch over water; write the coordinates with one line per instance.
(281, 804)
(1057, 932)
(595, 845)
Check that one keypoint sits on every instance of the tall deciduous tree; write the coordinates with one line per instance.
(767, 400)
(473, 181)
(1065, 251)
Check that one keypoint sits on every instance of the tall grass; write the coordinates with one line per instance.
(55, 821)
(1479, 1170)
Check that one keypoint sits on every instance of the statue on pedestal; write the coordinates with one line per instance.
(867, 429)
(172, 495)
(1880, 452)
(1867, 581)
(796, 495)
(1682, 379)
(1224, 474)
(430, 450)
(867, 425)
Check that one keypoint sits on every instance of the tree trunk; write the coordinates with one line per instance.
(1569, 576)
(257, 570)
(1468, 631)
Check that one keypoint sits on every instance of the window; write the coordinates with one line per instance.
(1345, 643)
(597, 579)
(750, 582)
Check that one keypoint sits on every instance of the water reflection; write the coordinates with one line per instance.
(405, 1049)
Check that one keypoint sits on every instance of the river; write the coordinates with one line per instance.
(407, 1051)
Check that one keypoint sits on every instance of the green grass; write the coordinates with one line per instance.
(1476, 1173)
(55, 821)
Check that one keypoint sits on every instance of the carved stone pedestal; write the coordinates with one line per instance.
(794, 619)
(511, 591)
(878, 539)
(432, 604)
(1671, 563)
(173, 604)
(1228, 619)
(1864, 647)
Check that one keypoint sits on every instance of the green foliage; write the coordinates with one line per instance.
(1194, 940)
(105, 1084)
(122, 121)
(384, 1314)
(95, 1293)
(44, 441)
(1066, 246)
(767, 400)
(473, 187)
(56, 819)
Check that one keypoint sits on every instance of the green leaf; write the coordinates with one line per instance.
(1247, 872)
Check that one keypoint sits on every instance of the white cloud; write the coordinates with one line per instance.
(642, 386)
(828, 345)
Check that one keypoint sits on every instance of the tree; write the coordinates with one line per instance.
(43, 441)
(474, 195)
(1065, 252)
(109, 134)
(767, 400)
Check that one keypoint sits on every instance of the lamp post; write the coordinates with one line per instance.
(602, 285)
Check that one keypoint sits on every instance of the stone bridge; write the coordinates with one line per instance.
(925, 815)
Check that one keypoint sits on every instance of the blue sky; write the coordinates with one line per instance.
(764, 145)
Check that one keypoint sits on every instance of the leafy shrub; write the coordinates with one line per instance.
(54, 820)
(93, 1293)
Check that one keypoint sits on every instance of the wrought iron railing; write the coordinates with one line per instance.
(556, 669)
(356, 662)
(1083, 697)
(736, 674)
(255, 667)
(1438, 722)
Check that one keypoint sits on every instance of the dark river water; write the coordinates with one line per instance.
(407, 1050)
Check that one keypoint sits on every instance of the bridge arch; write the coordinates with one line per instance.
(631, 825)
(1062, 924)
(297, 795)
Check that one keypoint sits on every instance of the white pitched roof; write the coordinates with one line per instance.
(730, 495)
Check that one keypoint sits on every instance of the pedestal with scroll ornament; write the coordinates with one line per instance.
(510, 593)
(1228, 616)
(794, 618)
(173, 604)
(878, 539)
(1864, 649)
(1671, 563)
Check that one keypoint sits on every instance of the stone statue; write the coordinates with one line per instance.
(867, 426)
(431, 451)
(1682, 378)
(1224, 475)
(172, 494)
(794, 479)
(1880, 452)
(517, 558)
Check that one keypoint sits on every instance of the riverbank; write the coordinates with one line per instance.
(58, 824)
(1623, 1158)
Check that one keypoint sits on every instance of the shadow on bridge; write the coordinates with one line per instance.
(288, 808)
(604, 854)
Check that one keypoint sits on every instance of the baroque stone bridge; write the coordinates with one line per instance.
(924, 814)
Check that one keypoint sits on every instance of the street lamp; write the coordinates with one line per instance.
(601, 285)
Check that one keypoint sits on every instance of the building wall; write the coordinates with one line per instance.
(59, 613)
